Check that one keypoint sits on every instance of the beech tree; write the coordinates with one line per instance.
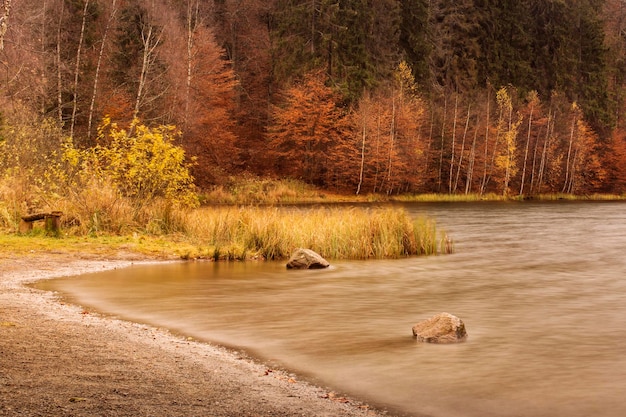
(308, 133)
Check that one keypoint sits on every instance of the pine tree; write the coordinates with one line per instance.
(414, 40)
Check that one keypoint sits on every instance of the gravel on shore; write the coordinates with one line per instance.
(58, 360)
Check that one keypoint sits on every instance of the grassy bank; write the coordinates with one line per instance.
(239, 233)
(266, 191)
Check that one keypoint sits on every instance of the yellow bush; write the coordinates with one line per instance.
(145, 164)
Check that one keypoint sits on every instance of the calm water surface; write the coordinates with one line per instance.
(540, 286)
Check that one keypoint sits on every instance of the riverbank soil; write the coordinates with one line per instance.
(61, 360)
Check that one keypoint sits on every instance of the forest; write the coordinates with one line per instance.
(354, 96)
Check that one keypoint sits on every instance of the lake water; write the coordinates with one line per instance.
(540, 286)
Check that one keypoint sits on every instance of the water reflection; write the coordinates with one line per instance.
(539, 287)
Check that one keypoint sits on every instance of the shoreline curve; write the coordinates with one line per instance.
(57, 359)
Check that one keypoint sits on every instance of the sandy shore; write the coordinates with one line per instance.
(58, 360)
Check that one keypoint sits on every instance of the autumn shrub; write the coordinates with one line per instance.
(144, 164)
(133, 180)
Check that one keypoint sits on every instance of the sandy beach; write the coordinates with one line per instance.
(60, 360)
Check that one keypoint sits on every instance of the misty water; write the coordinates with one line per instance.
(540, 286)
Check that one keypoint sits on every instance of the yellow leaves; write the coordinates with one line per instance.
(144, 164)
(404, 78)
(504, 100)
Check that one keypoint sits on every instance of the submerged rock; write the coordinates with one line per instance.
(306, 259)
(442, 328)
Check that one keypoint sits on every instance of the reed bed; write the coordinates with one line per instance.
(334, 233)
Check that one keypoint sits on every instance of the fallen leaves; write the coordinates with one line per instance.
(77, 399)
(279, 376)
(334, 397)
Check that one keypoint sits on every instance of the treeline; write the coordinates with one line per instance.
(387, 96)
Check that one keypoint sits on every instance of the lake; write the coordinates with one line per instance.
(539, 285)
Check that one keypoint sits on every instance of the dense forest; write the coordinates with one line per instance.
(360, 96)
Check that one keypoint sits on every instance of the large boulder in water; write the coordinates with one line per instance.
(442, 328)
(306, 259)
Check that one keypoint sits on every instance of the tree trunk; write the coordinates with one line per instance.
(358, 189)
(530, 123)
(192, 23)
(483, 183)
(542, 164)
(98, 66)
(392, 137)
(472, 159)
(458, 171)
(569, 152)
(77, 69)
(59, 73)
(534, 166)
(443, 132)
(4, 21)
(150, 41)
(452, 156)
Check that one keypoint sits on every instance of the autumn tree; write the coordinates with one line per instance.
(242, 28)
(204, 84)
(308, 133)
(387, 126)
(616, 163)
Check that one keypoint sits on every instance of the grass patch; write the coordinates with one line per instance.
(335, 233)
(253, 190)
(241, 233)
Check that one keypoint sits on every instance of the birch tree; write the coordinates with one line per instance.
(533, 100)
(103, 43)
(4, 21)
(509, 129)
(77, 68)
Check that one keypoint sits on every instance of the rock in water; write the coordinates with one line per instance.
(306, 259)
(442, 328)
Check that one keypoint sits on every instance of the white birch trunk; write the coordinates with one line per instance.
(98, 66)
(4, 21)
(77, 69)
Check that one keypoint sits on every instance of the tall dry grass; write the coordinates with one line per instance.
(335, 233)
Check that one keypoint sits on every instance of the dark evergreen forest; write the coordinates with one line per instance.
(359, 96)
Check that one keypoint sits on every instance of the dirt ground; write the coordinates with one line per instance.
(58, 360)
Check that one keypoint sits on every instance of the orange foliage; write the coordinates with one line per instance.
(616, 161)
(308, 136)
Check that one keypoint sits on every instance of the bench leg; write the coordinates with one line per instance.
(25, 226)
(52, 225)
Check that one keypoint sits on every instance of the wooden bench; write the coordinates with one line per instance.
(52, 222)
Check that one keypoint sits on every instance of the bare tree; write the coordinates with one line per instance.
(150, 39)
(77, 69)
(569, 161)
(98, 67)
(534, 100)
(458, 171)
(59, 65)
